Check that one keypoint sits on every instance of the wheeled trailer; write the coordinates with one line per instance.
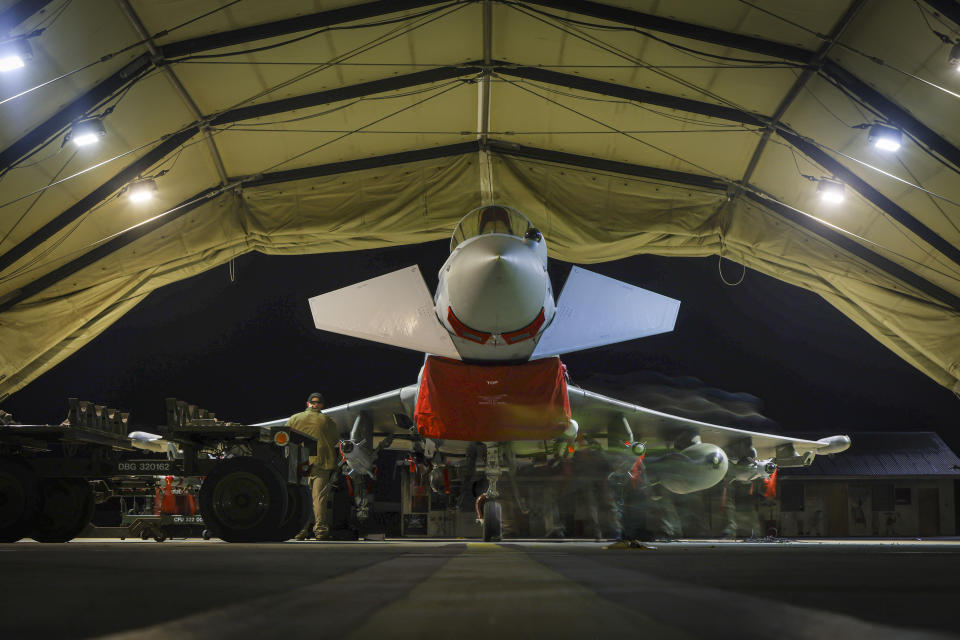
(254, 478)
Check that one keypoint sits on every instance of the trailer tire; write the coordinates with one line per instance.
(299, 512)
(19, 497)
(243, 500)
(66, 507)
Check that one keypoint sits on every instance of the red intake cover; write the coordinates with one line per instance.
(492, 403)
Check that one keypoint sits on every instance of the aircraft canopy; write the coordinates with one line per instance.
(491, 219)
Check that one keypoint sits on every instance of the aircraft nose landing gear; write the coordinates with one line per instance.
(489, 510)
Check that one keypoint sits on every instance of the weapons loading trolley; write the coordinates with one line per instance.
(254, 477)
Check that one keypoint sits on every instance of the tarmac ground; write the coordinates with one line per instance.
(464, 589)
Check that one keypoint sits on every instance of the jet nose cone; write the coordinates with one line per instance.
(497, 284)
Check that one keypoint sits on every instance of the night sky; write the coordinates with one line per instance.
(248, 349)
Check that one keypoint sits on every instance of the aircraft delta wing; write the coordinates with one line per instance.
(598, 414)
(622, 425)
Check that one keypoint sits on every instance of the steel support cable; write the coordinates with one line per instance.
(647, 34)
(34, 203)
(306, 63)
(45, 232)
(815, 61)
(907, 122)
(342, 27)
(369, 46)
(752, 189)
(111, 56)
(121, 92)
(876, 169)
(899, 228)
(922, 145)
(61, 120)
(871, 58)
(369, 124)
(620, 131)
(30, 265)
(596, 42)
(147, 39)
(105, 247)
(92, 167)
(933, 201)
(191, 203)
(780, 128)
(456, 149)
(158, 61)
(883, 203)
(233, 183)
(951, 20)
(630, 58)
(643, 104)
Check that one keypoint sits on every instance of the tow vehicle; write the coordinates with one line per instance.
(254, 477)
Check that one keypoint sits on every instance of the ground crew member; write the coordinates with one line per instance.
(323, 465)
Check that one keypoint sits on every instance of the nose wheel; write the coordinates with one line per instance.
(492, 522)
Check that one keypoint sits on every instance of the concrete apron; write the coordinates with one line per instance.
(482, 590)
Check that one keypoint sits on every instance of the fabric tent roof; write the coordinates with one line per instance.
(682, 129)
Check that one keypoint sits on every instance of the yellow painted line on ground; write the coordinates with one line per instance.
(479, 594)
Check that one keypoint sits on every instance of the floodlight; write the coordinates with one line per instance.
(14, 54)
(142, 190)
(954, 58)
(885, 138)
(830, 190)
(87, 132)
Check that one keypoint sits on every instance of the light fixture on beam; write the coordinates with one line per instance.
(142, 190)
(955, 56)
(87, 132)
(885, 138)
(830, 191)
(14, 54)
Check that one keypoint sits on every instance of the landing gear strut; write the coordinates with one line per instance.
(489, 510)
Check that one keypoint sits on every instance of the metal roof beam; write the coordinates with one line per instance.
(848, 244)
(244, 113)
(339, 94)
(949, 9)
(866, 190)
(76, 110)
(137, 68)
(798, 86)
(811, 150)
(599, 164)
(18, 14)
(897, 115)
(531, 153)
(185, 96)
(98, 195)
(289, 26)
(191, 203)
(633, 94)
(678, 28)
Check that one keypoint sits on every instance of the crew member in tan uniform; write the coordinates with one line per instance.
(323, 466)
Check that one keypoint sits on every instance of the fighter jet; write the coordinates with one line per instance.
(492, 376)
